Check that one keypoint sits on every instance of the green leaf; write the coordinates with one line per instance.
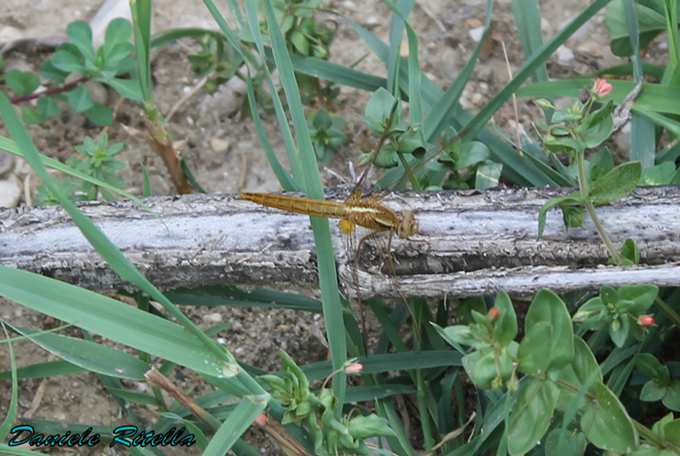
(642, 295)
(80, 99)
(505, 328)
(534, 352)
(619, 330)
(548, 307)
(466, 306)
(531, 415)
(118, 31)
(630, 251)
(672, 401)
(300, 42)
(48, 107)
(652, 391)
(596, 135)
(80, 34)
(617, 183)
(563, 442)
(100, 115)
(49, 71)
(606, 423)
(564, 145)
(572, 198)
(601, 163)
(661, 174)
(650, 24)
(22, 82)
(378, 110)
(488, 175)
(66, 61)
(125, 87)
(32, 116)
(459, 334)
(649, 366)
(472, 152)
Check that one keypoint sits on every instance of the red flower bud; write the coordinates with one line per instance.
(493, 314)
(602, 88)
(261, 420)
(646, 321)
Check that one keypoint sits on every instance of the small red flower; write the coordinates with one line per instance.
(493, 314)
(261, 420)
(354, 368)
(646, 321)
(602, 88)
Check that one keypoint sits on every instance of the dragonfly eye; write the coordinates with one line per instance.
(408, 226)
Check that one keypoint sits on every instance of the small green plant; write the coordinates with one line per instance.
(561, 376)
(44, 197)
(572, 131)
(459, 165)
(73, 64)
(622, 312)
(661, 386)
(100, 164)
(332, 434)
(216, 59)
(325, 130)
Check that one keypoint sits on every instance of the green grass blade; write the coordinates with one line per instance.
(642, 135)
(233, 427)
(528, 20)
(109, 318)
(89, 355)
(399, 21)
(114, 257)
(232, 296)
(282, 175)
(47, 369)
(328, 280)
(287, 134)
(141, 18)
(16, 451)
(6, 425)
(443, 110)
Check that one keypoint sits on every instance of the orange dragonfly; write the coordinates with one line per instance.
(356, 210)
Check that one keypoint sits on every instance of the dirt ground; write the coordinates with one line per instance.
(222, 150)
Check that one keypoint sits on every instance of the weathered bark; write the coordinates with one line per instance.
(470, 243)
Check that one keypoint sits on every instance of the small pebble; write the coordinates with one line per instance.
(10, 192)
(219, 145)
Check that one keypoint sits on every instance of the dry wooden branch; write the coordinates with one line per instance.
(472, 243)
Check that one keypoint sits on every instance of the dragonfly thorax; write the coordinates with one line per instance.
(408, 226)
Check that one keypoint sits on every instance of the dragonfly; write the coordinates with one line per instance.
(358, 210)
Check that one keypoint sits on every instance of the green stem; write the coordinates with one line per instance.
(655, 438)
(667, 311)
(585, 194)
(422, 408)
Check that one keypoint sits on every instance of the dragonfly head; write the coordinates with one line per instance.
(408, 225)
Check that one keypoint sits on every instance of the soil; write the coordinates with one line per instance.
(202, 121)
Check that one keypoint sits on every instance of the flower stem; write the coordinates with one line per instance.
(585, 194)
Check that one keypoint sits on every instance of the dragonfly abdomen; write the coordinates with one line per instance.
(317, 208)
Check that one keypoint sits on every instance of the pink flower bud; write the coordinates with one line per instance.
(602, 88)
(354, 368)
(493, 314)
(646, 321)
